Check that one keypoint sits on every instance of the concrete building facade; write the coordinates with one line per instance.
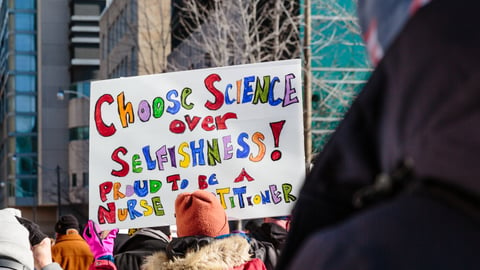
(135, 38)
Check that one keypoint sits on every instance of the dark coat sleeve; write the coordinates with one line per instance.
(348, 162)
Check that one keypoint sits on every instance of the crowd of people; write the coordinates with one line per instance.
(203, 240)
(396, 187)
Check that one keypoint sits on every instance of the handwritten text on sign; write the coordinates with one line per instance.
(235, 131)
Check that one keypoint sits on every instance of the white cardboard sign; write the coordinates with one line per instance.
(236, 131)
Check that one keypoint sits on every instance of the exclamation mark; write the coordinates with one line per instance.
(276, 129)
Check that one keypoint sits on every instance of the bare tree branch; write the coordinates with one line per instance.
(218, 33)
(222, 33)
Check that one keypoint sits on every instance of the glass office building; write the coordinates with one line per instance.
(18, 100)
(45, 46)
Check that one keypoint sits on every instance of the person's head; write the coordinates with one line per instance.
(200, 213)
(282, 221)
(67, 223)
(382, 20)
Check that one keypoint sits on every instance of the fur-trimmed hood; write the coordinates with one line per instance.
(222, 253)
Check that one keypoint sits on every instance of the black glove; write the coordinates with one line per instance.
(35, 234)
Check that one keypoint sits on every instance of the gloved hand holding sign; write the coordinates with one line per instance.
(101, 247)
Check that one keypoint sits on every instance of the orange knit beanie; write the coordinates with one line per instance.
(200, 213)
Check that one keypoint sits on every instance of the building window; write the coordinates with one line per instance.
(25, 62)
(25, 188)
(87, 8)
(78, 133)
(25, 124)
(74, 179)
(25, 104)
(110, 39)
(133, 61)
(208, 60)
(85, 179)
(24, 21)
(25, 83)
(133, 10)
(26, 144)
(121, 23)
(83, 88)
(104, 47)
(25, 4)
(3, 112)
(25, 165)
(24, 43)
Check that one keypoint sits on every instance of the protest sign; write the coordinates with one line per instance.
(235, 131)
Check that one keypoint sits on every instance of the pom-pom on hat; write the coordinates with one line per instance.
(200, 213)
(66, 222)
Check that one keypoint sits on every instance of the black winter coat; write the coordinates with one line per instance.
(421, 107)
(267, 240)
(131, 254)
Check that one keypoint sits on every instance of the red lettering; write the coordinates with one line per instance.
(173, 179)
(219, 98)
(106, 214)
(192, 123)
(105, 188)
(177, 126)
(243, 174)
(102, 128)
(220, 120)
(124, 171)
(207, 123)
(202, 182)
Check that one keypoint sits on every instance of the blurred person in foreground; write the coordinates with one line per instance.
(204, 240)
(23, 245)
(398, 184)
(70, 249)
